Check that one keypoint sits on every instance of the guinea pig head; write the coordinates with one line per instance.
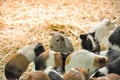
(60, 43)
(100, 61)
(89, 42)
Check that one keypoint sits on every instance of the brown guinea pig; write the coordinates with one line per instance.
(37, 75)
(76, 74)
(19, 61)
(60, 43)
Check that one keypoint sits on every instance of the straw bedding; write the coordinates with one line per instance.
(27, 21)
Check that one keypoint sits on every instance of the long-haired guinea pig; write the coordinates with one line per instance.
(108, 77)
(60, 43)
(19, 61)
(48, 58)
(85, 59)
(76, 74)
(89, 42)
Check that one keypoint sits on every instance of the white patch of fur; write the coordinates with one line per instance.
(82, 58)
(93, 43)
(104, 70)
(103, 29)
(103, 53)
(28, 52)
(50, 60)
(115, 47)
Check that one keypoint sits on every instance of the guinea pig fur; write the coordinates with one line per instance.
(114, 39)
(60, 43)
(112, 67)
(19, 61)
(54, 73)
(37, 75)
(89, 42)
(48, 58)
(76, 74)
(102, 29)
(85, 59)
(108, 77)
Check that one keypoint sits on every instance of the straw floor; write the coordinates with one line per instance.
(28, 21)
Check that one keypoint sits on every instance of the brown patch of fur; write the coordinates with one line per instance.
(19, 60)
(78, 74)
(108, 77)
(58, 59)
(100, 62)
(68, 59)
(38, 75)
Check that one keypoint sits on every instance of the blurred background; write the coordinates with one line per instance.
(28, 21)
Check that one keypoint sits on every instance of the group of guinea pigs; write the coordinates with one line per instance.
(62, 62)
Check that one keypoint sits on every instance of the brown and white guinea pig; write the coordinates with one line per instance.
(48, 58)
(37, 75)
(60, 43)
(111, 76)
(76, 74)
(112, 67)
(114, 39)
(85, 59)
(19, 61)
(90, 43)
(103, 29)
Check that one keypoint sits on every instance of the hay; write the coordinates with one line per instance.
(27, 21)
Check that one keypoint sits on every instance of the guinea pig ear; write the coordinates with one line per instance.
(83, 36)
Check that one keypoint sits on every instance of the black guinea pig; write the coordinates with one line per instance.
(19, 61)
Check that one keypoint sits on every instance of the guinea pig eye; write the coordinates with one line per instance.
(57, 40)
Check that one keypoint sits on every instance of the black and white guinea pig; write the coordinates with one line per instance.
(114, 39)
(19, 61)
(60, 43)
(89, 42)
(108, 77)
(85, 59)
(48, 58)
(76, 74)
(112, 67)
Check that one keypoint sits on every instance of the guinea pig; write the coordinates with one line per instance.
(76, 74)
(19, 61)
(114, 39)
(48, 58)
(112, 67)
(103, 31)
(60, 43)
(54, 73)
(37, 75)
(85, 59)
(111, 76)
(89, 42)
